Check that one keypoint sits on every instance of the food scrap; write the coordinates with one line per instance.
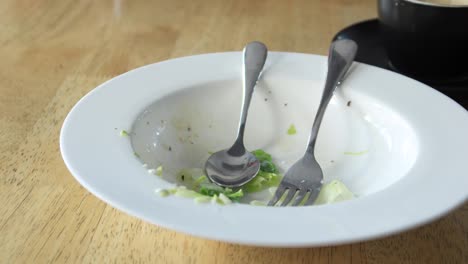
(332, 192)
(124, 133)
(195, 185)
(159, 171)
(350, 153)
(292, 130)
(202, 190)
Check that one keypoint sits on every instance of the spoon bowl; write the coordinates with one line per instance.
(228, 170)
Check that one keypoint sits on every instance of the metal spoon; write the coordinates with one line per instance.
(236, 166)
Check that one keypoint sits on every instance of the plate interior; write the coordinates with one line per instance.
(361, 142)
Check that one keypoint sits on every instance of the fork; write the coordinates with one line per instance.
(305, 176)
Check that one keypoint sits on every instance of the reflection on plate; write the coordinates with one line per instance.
(384, 136)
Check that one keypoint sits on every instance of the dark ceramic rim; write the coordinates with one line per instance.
(418, 2)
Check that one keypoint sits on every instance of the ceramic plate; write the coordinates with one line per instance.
(399, 145)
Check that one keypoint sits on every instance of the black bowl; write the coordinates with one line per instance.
(426, 41)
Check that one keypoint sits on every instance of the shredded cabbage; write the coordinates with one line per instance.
(334, 191)
(292, 130)
(204, 191)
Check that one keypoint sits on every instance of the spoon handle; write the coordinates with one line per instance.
(255, 54)
(340, 58)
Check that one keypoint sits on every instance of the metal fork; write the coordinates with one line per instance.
(305, 176)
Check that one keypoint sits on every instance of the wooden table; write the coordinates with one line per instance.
(54, 52)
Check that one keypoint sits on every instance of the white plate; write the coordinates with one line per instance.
(412, 171)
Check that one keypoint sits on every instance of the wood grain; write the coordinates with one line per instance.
(54, 52)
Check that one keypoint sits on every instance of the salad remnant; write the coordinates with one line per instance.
(292, 130)
(262, 181)
(202, 199)
(257, 203)
(355, 153)
(334, 191)
(182, 191)
(268, 176)
(266, 162)
(159, 171)
(211, 189)
(124, 133)
(216, 200)
(204, 191)
(162, 192)
(224, 199)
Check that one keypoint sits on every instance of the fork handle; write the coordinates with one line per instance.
(340, 58)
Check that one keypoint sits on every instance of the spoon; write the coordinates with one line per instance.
(236, 166)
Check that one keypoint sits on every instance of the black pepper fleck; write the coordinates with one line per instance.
(182, 177)
(349, 103)
(147, 122)
(285, 104)
(170, 148)
(266, 99)
(189, 129)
